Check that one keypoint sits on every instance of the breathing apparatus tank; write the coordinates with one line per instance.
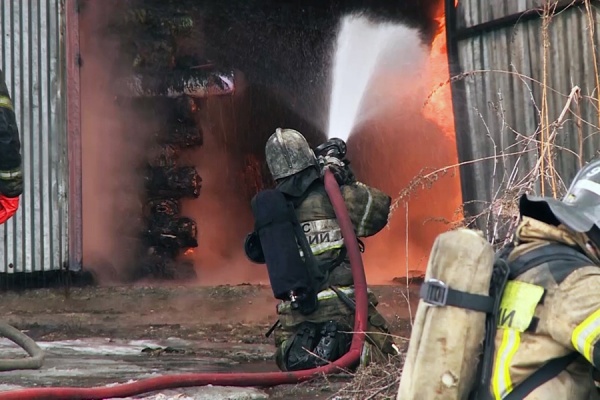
(449, 330)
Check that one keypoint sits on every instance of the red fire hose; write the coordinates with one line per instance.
(239, 379)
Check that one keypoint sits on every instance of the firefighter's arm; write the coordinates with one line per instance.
(574, 313)
(369, 208)
(11, 177)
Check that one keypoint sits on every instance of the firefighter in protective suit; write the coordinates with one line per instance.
(326, 331)
(548, 338)
(11, 177)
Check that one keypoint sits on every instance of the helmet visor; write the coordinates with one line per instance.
(580, 217)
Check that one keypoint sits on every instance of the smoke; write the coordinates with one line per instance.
(391, 148)
(222, 211)
(112, 146)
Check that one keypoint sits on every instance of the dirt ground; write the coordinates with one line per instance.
(224, 322)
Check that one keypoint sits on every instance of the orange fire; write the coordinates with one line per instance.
(398, 152)
(439, 106)
(189, 252)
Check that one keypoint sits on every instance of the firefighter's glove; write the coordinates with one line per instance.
(342, 173)
(11, 183)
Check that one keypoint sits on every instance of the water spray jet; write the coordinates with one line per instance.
(380, 86)
(366, 49)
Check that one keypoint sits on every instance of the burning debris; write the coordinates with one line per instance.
(163, 155)
(177, 124)
(194, 83)
(183, 136)
(173, 233)
(176, 24)
(174, 183)
(167, 86)
(161, 208)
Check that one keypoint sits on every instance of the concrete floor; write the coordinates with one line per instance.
(95, 337)
(101, 362)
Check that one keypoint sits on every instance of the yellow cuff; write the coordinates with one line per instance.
(6, 103)
(586, 336)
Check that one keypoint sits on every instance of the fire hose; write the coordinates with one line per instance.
(268, 379)
(36, 358)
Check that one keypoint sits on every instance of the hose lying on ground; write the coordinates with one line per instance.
(36, 354)
(348, 360)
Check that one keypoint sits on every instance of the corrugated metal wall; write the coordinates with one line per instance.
(498, 57)
(476, 12)
(32, 57)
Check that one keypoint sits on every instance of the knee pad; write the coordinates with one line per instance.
(298, 355)
(314, 345)
(335, 340)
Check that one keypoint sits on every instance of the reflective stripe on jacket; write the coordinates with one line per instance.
(368, 209)
(565, 304)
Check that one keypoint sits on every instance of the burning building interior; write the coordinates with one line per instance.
(179, 97)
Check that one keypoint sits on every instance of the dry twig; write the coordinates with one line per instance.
(375, 382)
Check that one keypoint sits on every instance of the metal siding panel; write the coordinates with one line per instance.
(558, 64)
(475, 12)
(519, 49)
(31, 57)
(591, 147)
(528, 116)
(73, 166)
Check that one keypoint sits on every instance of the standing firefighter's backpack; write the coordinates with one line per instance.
(275, 241)
(482, 291)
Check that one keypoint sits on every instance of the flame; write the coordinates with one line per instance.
(399, 151)
(439, 106)
(189, 252)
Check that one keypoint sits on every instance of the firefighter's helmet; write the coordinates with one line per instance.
(579, 209)
(288, 153)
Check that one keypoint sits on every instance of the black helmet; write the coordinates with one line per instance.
(579, 210)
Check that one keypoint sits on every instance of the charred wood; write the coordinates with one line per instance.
(191, 61)
(160, 263)
(181, 136)
(176, 183)
(154, 20)
(191, 82)
(173, 234)
(161, 209)
(180, 110)
(164, 155)
(156, 54)
(163, 49)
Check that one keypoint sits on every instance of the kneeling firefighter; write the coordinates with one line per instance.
(298, 237)
(11, 177)
(542, 335)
